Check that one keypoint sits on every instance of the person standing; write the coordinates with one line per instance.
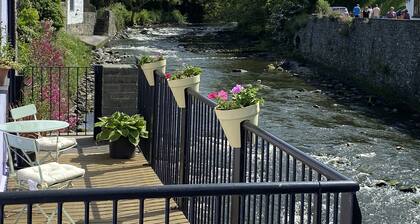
(405, 14)
(370, 10)
(356, 11)
(365, 13)
(391, 14)
(376, 12)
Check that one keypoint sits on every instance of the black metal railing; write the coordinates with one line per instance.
(188, 146)
(191, 192)
(60, 93)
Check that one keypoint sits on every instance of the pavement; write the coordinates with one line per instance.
(95, 41)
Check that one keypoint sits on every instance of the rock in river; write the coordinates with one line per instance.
(239, 70)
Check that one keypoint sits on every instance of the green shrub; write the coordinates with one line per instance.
(143, 17)
(174, 17)
(76, 53)
(50, 9)
(122, 15)
(323, 7)
(28, 24)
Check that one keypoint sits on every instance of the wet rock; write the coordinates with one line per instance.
(270, 67)
(381, 183)
(239, 70)
(317, 91)
(399, 148)
(348, 144)
(335, 105)
(407, 189)
(393, 182)
(316, 106)
(302, 90)
(296, 96)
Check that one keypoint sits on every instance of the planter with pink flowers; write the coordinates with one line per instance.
(150, 64)
(189, 77)
(244, 105)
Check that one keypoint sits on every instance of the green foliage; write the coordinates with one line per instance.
(123, 16)
(76, 53)
(174, 17)
(188, 72)
(50, 9)
(121, 124)
(28, 24)
(323, 7)
(146, 59)
(146, 17)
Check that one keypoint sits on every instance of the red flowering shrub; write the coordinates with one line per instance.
(49, 94)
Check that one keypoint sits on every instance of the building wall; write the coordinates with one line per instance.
(382, 56)
(87, 27)
(75, 14)
(3, 98)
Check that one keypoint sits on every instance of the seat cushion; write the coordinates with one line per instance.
(52, 173)
(50, 143)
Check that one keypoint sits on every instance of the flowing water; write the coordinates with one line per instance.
(362, 142)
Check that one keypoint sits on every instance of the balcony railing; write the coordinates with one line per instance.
(264, 181)
(188, 146)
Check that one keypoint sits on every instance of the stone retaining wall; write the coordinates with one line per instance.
(381, 56)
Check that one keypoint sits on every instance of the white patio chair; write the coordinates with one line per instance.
(39, 177)
(53, 145)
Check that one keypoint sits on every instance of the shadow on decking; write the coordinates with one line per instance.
(101, 172)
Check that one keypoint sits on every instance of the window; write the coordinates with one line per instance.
(71, 5)
(416, 12)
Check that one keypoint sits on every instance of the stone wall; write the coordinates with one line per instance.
(381, 56)
(119, 89)
(85, 28)
(106, 24)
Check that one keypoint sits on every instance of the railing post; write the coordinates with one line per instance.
(97, 110)
(238, 177)
(349, 209)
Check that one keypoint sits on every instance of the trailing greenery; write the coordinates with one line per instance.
(188, 72)
(146, 59)
(122, 125)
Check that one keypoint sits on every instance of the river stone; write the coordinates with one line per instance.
(316, 106)
(239, 70)
(399, 148)
(381, 183)
(407, 189)
(270, 67)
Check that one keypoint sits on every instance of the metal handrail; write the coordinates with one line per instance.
(176, 191)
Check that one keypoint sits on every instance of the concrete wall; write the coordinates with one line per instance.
(119, 89)
(382, 56)
(75, 14)
(85, 28)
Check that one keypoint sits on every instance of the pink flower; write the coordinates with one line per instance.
(223, 95)
(212, 95)
(168, 75)
(237, 89)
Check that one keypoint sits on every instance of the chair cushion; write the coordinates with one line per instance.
(52, 173)
(50, 143)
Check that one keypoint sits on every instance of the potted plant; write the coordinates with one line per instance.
(151, 63)
(189, 77)
(123, 133)
(243, 105)
(7, 62)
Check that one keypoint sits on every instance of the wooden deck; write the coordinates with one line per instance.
(101, 171)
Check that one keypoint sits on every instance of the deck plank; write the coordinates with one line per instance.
(101, 171)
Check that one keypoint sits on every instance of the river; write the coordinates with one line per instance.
(363, 142)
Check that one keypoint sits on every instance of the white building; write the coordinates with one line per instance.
(75, 10)
(413, 7)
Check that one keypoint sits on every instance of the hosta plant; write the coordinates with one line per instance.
(122, 125)
(242, 96)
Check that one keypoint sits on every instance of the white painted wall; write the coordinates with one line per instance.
(410, 7)
(75, 15)
(3, 100)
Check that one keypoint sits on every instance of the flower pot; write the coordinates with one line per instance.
(178, 88)
(231, 120)
(121, 149)
(150, 68)
(3, 75)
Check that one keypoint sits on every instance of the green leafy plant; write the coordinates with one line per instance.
(241, 97)
(146, 59)
(7, 56)
(122, 125)
(188, 72)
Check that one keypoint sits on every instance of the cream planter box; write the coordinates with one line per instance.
(149, 68)
(231, 120)
(178, 88)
